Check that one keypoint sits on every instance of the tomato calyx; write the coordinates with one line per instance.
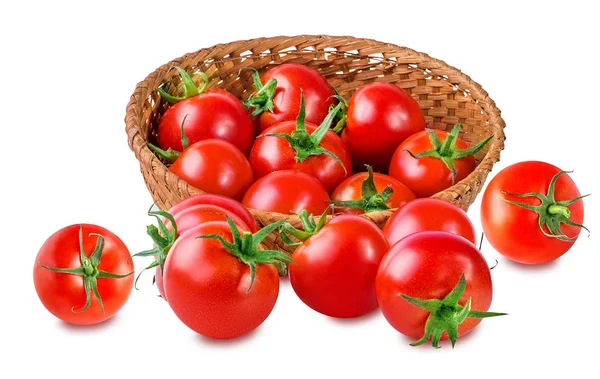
(446, 314)
(170, 155)
(262, 99)
(162, 237)
(89, 271)
(341, 113)
(189, 87)
(245, 247)
(551, 213)
(371, 199)
(446, 150)
(309, 225)
(306, 144)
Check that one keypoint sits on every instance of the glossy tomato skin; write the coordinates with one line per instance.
(215, 166)
(351, 189)
(514, 231)
(224, 202)
(428, 265)
(61, 293)
(291, 79)
(287, 191)
(270, 154)
(206, 285)
(427, 176)
(428, 214)
(334, 270)
(380, 116)
(213, 114)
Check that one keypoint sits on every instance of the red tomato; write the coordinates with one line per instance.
(380, 116)
(212, 114)
(513, 230)
(287, 191)
(215, 166)
(83, 274)
(439, 160)
(428, 265)
(368, 192)
(270, 154)
(428, 215)
(284, 98)
(333, 271)
(211, 290)
(234, 207)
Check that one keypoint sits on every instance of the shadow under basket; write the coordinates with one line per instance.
(444, 93)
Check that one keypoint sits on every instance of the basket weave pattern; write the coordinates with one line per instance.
(446, 96)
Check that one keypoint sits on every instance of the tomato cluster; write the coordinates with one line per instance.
(296, 147)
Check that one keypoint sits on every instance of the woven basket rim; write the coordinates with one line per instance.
(137, 143)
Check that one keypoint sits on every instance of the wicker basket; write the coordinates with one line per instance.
(445, 95)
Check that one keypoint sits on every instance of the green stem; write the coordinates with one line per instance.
(370, 200)
(556, 209)
(189, 87)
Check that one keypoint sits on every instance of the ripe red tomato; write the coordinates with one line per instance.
(367, 192)
(428, 215)
(531, 213)
(296, 145)
(214, 166)
(218, 291)
(277, 97)
(432, 160)
(287, 191)
(234, 207)
(333, 271)
(208, 114)
(427, 266)
(83, 274)
(380, 116)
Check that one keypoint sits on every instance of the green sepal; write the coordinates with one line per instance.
(245, 247)
(262, 99)
(551, 213)
(309, 225)
(89, 271)
(371, 199)
(341, 114)
(446, 315)
(189, 87)
(446, 150)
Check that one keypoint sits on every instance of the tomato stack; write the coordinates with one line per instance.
(296, 147)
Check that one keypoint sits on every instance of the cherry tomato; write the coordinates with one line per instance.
(380, 116)
(367, 192)
(202, 115)
(287, 191)
(428, 214)
(214, 166)
(217, 291)
(333, 271)
(234, 207)
(280, 99)
(430, 161)
(83, 274)
(524, 196)
(428, 266)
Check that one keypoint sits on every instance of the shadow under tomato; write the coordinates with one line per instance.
(445, 344)
(73, 328)
(356, 320)
(529, 268)
(212, 342)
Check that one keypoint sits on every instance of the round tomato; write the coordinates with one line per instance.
(432, 160)
(531, 212)
(83, 274)
(278, 92)
(380, 116)
(439, 271)
(428, 215)
(333, 271)
(214, 166)
(287, 192)
(367, 192)
(201, 115)
(218, 286)
(233, 206)
(296, 145)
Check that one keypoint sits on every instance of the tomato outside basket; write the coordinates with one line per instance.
(445, 94)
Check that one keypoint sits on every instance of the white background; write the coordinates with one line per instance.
(68, 70)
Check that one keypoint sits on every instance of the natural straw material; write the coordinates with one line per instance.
(446, 96)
